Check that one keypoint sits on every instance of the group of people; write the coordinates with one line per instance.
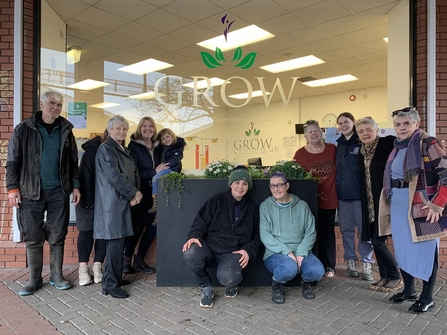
(113, 189)
(381, 186)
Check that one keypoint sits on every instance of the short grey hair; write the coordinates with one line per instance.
(407, 112)
(52, 94)
(117, 118)
(367, 120)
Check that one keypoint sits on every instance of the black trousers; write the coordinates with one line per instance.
(146, 240)
(31, 218)
(85, 246)
(198, 259)
(385, 260)
(113, 268)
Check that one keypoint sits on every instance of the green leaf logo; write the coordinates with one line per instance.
(237, 54)
(248, 61)
(209, 60)
(219, 55)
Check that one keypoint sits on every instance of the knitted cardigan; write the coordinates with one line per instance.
(428, 188)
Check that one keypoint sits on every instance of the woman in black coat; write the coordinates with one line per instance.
(142, 146)
(374, 153)
(117, 191)
(85, 215)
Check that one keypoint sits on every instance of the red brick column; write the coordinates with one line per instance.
(12, 254)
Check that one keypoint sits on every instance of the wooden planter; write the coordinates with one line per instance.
(174, 223)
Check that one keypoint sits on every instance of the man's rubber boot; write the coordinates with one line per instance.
(56, 258)
(35, 263)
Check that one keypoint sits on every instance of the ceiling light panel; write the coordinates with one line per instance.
(292, 64)
(105, 105)
(88, 84)
(254, 94)
(330, 81)
(146, 66)
(237, 38)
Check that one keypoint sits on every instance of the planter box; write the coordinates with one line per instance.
(174, 223)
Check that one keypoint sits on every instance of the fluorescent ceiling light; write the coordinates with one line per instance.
(386, 39)
(146, 66)
(143, 96)
(105, 105)
(88, 84)
(330, 81)
(245, 95)
(237, 38)
(203, 83)
(291, 64)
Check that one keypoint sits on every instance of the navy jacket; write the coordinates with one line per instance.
(173, 155)
(348, 177)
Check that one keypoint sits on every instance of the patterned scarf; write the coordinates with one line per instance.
(412, 161)
(368, 153)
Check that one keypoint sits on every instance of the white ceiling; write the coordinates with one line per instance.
(346, 34)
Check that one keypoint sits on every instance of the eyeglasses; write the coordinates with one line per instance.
(404, 110)
(279, 186)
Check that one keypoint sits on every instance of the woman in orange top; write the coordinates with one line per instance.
(318, 157)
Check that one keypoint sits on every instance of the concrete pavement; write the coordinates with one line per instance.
(342, 306)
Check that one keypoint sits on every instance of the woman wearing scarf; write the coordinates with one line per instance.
(372, 159)
(413, 198)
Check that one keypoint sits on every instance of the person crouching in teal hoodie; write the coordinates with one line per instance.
(287, 229)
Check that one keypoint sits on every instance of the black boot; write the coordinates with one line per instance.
(35, 262)
(127, 265)
(141, 266)
(277, 292)
(307, 290)
(56, 258)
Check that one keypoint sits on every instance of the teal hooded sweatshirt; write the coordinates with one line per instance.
(287, 228)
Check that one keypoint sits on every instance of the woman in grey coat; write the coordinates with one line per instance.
(117, 191)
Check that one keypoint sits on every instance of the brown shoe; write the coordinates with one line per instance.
(392, 286)
(376, 286)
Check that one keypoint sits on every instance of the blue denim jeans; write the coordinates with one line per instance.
(156, 177)
(284, 268)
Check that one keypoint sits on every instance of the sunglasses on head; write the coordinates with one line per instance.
(404, 110)
(310, 123)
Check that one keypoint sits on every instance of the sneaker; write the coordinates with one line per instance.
(367, 271)
(352, 269)
(207, 297)
(84, 275)
(329, 272)
(231, 291)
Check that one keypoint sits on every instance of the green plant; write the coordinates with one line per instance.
(219, 169)
(256, 173)
(291, 169)
(172, 182)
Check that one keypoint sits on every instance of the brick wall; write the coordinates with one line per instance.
(12, 254)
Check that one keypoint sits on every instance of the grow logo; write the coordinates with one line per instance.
(219, 59)
(252, 131)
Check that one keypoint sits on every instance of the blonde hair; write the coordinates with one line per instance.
(167, 131)
(139, 136)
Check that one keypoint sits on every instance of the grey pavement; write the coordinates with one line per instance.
(342, 306)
